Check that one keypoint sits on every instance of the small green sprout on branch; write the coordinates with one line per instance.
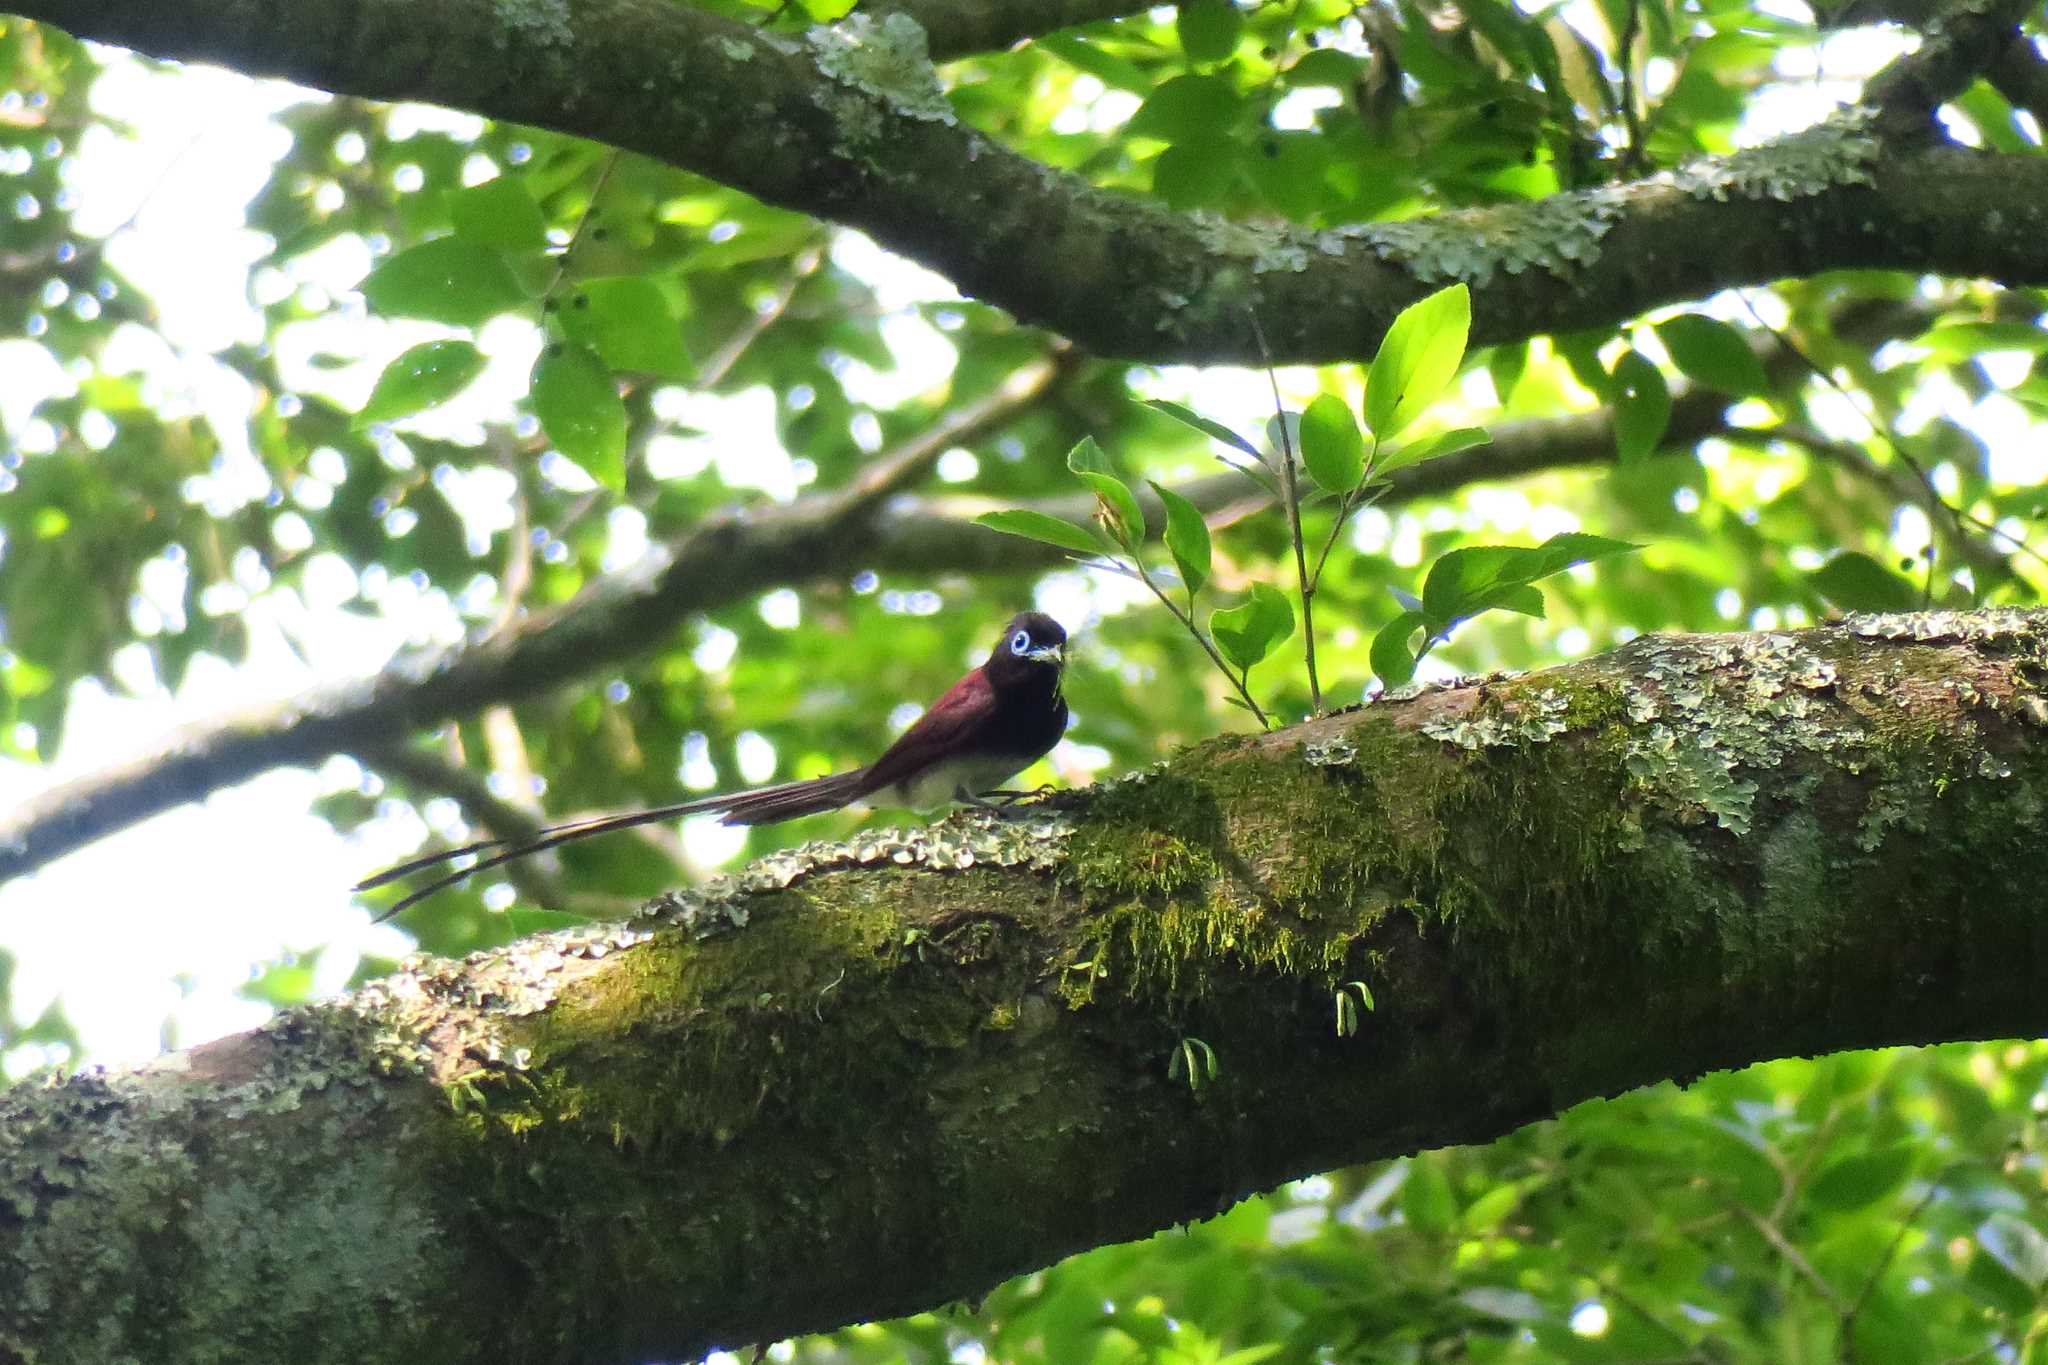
(1351, 997)
(1193, 1061)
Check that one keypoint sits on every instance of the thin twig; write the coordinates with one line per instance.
(604, 175)
(1884, 1262)
(905, 466)
(1632, 156)
(1187, 619)
(714, 370)
(1936, 503)
(1287, 472)
(1794, 1258)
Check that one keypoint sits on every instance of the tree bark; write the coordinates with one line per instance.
(868, 1078)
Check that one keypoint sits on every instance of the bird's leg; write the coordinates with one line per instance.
(1003, 800)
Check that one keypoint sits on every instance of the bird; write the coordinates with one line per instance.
(1004, 715)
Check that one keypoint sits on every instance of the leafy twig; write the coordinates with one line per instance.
(1290, 482)
(604, 175)
(1187, 620)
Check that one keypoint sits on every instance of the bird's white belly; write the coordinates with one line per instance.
(944, 783)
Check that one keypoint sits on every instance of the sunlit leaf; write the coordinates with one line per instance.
(628, 322)
(1332, 449)
(1187, 538)
(1417, 360)
(1854, 581)
(1393, 661)
(1430, 448)
(1246, 634)
(1207, 426)
(1091, 466)
(1642, 406)
(1187, 109)
(499, 214)
(446, 280)
(429, 373)
(578, 404)
(1475, 578)
(1022, 521)
(1709, 351)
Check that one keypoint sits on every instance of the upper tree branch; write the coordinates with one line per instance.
(785, 120)
(870, 1079)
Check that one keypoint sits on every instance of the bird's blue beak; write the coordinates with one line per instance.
(1049, 653)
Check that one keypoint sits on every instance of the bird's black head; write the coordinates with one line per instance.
(1032, 648)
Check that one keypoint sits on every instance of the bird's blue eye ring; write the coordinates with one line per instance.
(1020, 643)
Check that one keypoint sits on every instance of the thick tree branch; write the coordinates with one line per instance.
(1964, 42)
(821, 127)
(870, 1078)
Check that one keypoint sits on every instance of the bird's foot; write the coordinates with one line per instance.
(1014, 803)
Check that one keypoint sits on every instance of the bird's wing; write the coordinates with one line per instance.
(955, 724)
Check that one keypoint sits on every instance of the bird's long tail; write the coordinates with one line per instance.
(760, 806)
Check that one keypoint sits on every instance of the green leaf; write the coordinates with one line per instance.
(429, 373)
(499, 215)
(1187, 109)
(1247, 634)
(1476, 578)
(1427, 1200)
(1858, 1181)
(1092, 467)
(1712, 353)
(2017, 1245)
(1331, 447)
(628, 322)
(1084, 55)
(446, 280)
(1187, 538)
(1022, 521)
(1581, 352)
(1854, 581)
(1967, 340)
(1213, 429)
(1485, 1213)
(1418, 360)
(1208, 29)
(578, 404)
(1642, 406)
(1430, 448)
(1392, 660)
(1195, 175)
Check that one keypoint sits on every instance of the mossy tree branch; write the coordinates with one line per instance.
(800, 124)
(871, 1078)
